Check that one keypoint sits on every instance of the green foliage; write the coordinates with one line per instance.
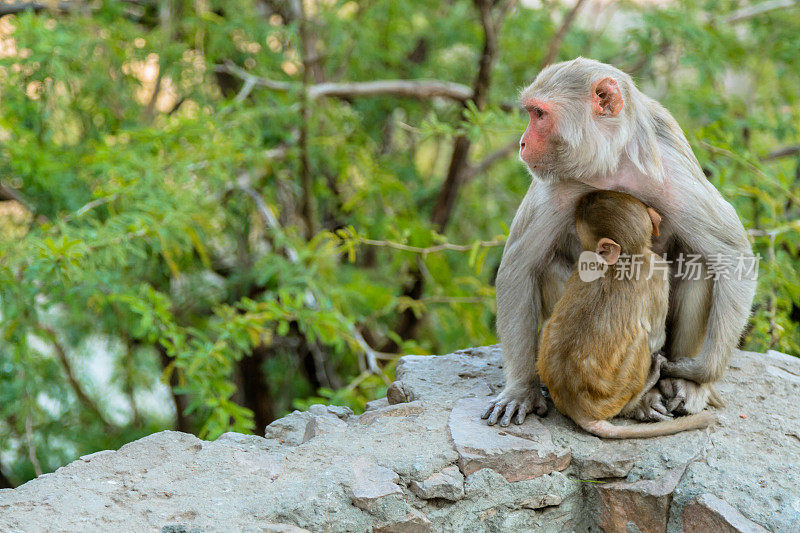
(153, 250)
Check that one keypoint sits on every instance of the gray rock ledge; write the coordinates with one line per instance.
(422, 462)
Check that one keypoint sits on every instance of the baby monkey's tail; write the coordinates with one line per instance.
(607, 430)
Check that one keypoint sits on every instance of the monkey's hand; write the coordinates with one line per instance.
(651, 407)
(520, 399)
(685, 397)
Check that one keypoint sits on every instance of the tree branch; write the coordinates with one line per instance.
(13, 9)
(234, 70)
(793, 225)
(150, 109)
(749, 12)
(432, 249)
(37, 468)
(9, 193)
(5, 482)
(457, 299)
(165, 19)
(445, 201)
(183, 422)
(555, 44)
(459, 161)
(307, 208)
(487, 162)
(786, 151)
(61, 354)
(418, 89)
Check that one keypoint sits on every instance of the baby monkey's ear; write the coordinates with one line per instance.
(655, 218)
(608, 250)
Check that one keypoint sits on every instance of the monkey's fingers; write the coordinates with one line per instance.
(523, 410)
(655, 415)
(659, 408)
(667, 387)
(511, 408)
(676, 403)
(496, 412)
(489, 409)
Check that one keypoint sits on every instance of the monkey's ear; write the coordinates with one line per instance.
(606, 97)
(655, 218)
(608, 250)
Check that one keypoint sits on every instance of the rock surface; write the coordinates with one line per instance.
(447, 484)
(423, 462)
(708, 513)
(517, 452)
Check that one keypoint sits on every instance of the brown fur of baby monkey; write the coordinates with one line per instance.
(595, 355)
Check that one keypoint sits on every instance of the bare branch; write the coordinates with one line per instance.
(91, 205)
(486, 163)
(234, 70)
(77, 388)
(786, 151)
(5, 483)
(13, 9)
(445, 201)
(793, 225)
(247, 88)
(37, 468)
(504, 10)
(432, 249)
(749, 12)
(150, 109)
(21, 7)
(10, 193)
(268, 216)
(459, 160)
(736, 157)
(457, 299)
(419, 89)
(635, 69)
(318, 357)
(182, 421)
(308, 55)
(555, 44)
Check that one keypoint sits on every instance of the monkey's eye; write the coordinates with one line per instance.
(535, 110)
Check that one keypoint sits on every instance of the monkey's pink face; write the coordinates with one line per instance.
(535, 142)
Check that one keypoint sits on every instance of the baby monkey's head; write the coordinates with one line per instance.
(613, 223)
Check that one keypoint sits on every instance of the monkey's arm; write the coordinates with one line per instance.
(536, 227)
(709, 226)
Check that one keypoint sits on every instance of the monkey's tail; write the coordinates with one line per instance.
(607, 430)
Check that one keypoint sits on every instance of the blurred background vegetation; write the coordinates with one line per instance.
(211, 213)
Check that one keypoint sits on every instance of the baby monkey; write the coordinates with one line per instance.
(595, 355)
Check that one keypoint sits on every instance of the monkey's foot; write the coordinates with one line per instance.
(685, 397)
(651, 407)
(520, 400)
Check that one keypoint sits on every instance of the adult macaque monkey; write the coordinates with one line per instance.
(599, 350)
(591, 128)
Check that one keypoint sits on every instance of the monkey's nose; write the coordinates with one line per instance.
(521, 146)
